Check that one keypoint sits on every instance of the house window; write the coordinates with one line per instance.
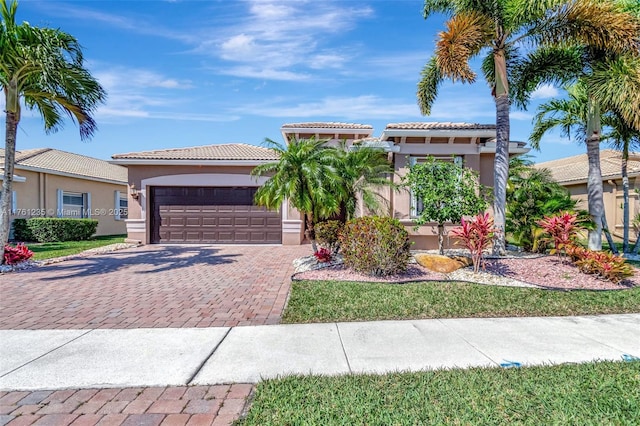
(74, 204)
(121, 205)
(416, 204)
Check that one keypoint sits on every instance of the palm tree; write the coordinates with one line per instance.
(500, 28)
(610, 80)
(41, 69)
(531, 195)
(622, 137)
(363, 170)
(304, 175)
(571, 115)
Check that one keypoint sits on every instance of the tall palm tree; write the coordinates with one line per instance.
(363, 171)
(571, 116)
(304, 175)
(610, 77)
(622, 137)
(500, 28)
(41, 69)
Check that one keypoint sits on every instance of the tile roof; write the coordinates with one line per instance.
(232, 151)
(327, 125)
(424, 125)
(54, 160)
(576, 168)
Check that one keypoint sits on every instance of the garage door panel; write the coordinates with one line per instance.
(211, 215)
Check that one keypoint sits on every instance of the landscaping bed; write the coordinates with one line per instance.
(548, 272)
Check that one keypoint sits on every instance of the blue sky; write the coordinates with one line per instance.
(185, 73)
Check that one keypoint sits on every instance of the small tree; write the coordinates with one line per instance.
(445, 192)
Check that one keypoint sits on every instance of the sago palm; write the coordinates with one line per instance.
(41, 69)
(500, 29)
(303, 175)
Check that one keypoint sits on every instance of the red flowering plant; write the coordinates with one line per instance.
(323, 255)
(476, 236)
(17, 254)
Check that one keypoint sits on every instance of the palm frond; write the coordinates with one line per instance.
(557, 65)
(428, 86)
(465, 36)
(615, 83)
(602, 25)
(437, 6)
(519, 13)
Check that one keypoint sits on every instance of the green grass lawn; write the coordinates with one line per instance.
(603, 393)
(328, 301)
(65, 248)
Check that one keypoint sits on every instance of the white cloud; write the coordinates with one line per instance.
(545, 91)
(348, 108)
(283, 38)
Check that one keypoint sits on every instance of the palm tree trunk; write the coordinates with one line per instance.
(501, 173)
(594, 181)
(310, 232)
(7, 180)
(501, 162)
(625, 199)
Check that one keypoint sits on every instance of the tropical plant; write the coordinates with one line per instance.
(562, 229)
(606, 67)
(41, 69)
(606, 265)
(14, 255)
(445, 192)
(531, 195)
(501, 28)
(622, 137)
(476, 235)
(363, 172)
(375, 245)
(305, 176)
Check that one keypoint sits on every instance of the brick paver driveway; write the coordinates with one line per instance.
(153, 286)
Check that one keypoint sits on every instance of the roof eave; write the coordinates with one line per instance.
(481, 133)
(71, 175)
(185, 162)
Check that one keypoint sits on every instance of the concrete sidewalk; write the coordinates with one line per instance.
(71, 359)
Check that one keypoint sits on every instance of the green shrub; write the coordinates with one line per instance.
(328, 234)
(375, 245)
(21, 230)
(48, 229)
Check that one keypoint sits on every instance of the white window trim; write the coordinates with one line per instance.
(86, 203)
(14, 202)
(116, 205)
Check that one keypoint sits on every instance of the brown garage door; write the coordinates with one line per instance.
(211, 215)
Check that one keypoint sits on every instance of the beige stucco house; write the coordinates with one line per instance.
(572, 173)
(204, 194)
(53, 183)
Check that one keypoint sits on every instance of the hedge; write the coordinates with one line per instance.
(49, 229)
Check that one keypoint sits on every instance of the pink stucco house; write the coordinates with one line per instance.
(204, 194)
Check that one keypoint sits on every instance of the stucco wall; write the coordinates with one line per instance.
(37, 196)
(426, 237)
(613, 199)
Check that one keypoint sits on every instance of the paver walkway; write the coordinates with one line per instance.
(194, 405)
(153, 286)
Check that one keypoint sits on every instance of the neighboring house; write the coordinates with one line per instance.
(53, 183)
(205, 194)
(572, 173)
